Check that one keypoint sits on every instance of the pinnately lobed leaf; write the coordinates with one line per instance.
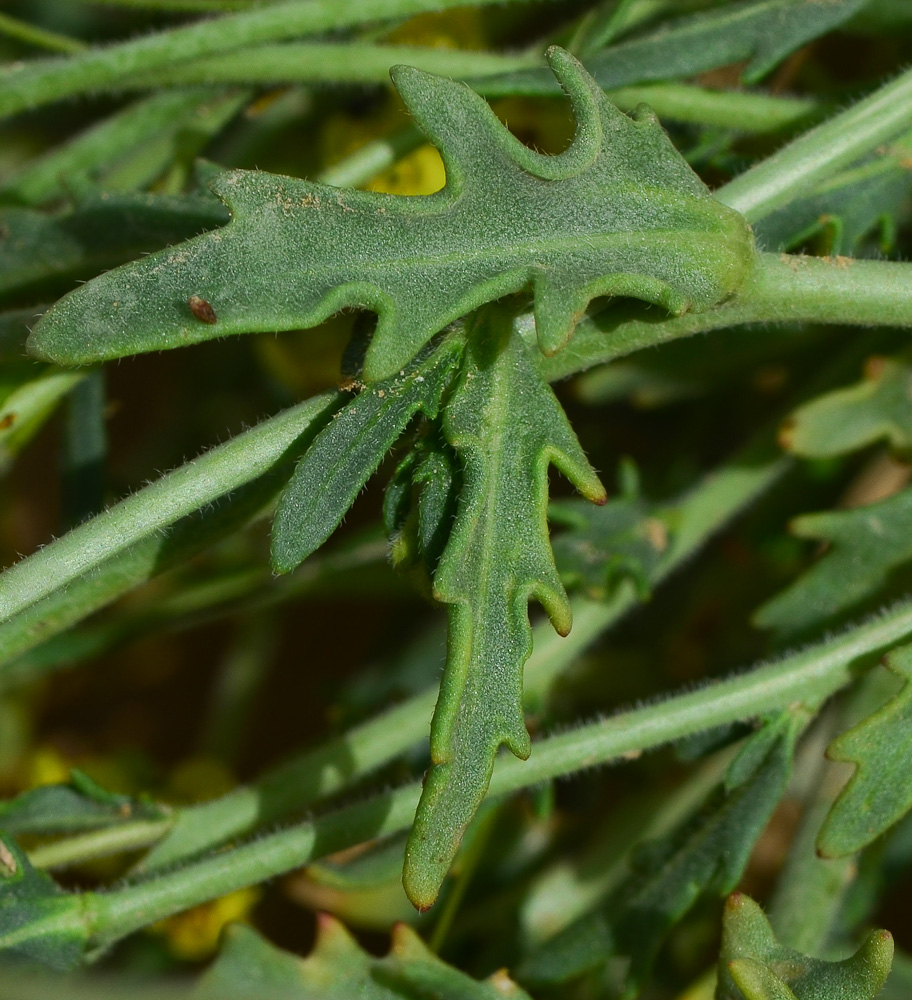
(506, 427)
(753, 965)
(879, 794)
(618, 213)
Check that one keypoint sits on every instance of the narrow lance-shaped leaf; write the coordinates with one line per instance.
(506, 427)
(879, 794)
(619, 212)
(867, 544)
(753, 965)
(761, 32)
(345, 454)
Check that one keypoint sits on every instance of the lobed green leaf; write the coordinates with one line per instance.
(338, 968)
(506, 427)
(865, 545)
(879, 794)
(618, 213)
(754, 966)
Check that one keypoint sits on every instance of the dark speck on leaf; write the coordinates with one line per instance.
(202, 309)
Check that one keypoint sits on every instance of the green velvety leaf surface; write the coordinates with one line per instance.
(758, 32)
(879, 407)
(708, 853)
(39, 923)
(42, 252)
(879, 794)
(506, 427)
(339, 969)
(79, 805)
(619, 212)
(345, 454)
(753, 965)
(866, 544)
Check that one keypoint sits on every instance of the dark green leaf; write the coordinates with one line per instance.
(619, 212)
(865, 545)
(759, 32)
(604, 545)
(80, 805)
(339, 969)
(879, 407)
(39, 923)
(879, 794)
(42, 253)
(706, 854)
(506, 426)
(754, 966)
(345, 454)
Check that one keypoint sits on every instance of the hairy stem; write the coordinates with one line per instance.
(810, 675)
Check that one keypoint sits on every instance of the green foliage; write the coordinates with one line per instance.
(867, 544)
(706, 854)
(880, 792)
(79, 805)
(491, 270)
(753, 965)
(877, 408)
(297, 252)
(758, 32)
(338, 969)
(506, 427)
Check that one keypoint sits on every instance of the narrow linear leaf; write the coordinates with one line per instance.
(619, 212)
(347, 452)
(339, 969)
(879, 407)
(865, 545)
(753, 965)
(879, 794)
(758, 32)
(707, 853)
(506, 426)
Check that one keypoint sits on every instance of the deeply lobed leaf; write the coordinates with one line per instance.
(753, 965)
(618, 213)
(507, 427)
(879, 794)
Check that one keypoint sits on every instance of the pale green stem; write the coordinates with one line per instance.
(782, 288)
(842, 140)
(187, 489)
(41, 81)
(22, 31)
(99, 843)
(810, 675)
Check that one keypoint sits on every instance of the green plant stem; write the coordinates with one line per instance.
(22, 31)
(326, 62)
(187, 489)
(809, 675)
(99, 843)
(842, 140)
(42, 81)
(782, 288)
